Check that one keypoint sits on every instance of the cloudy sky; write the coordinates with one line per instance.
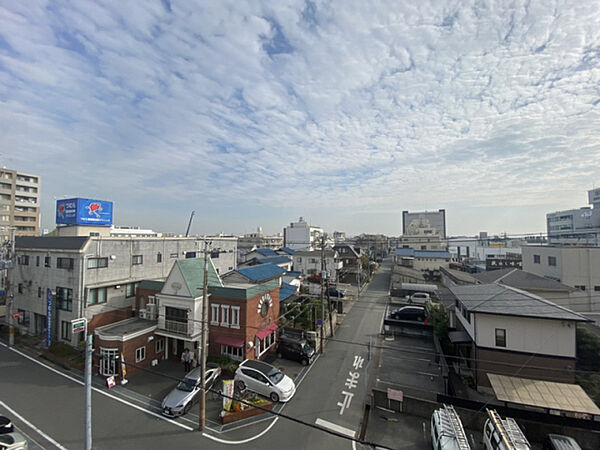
(345, 113)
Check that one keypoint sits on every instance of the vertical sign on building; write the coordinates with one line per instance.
(48, 317)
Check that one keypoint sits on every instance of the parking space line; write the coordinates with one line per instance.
(99, 391)
(244, 441)
(334, 427)
(32, 426)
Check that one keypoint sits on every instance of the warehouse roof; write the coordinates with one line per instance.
(51, 242)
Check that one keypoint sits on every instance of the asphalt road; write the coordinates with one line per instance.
(52, 405)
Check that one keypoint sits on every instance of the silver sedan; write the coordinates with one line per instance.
(180, 400)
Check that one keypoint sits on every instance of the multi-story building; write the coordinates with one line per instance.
(374, 245)
(19, 203)
(339, 237)
(302, 236)
(309, 262)
(576, 226)
(250, 241)
(578, 267)
(96, 277)
(420, 235)
(437, 219)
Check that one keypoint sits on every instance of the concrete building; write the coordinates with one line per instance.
(250, 241)
(436, 219)
(576, 226)
(339, 237)
(508, 331)
(302, 236)
(373, 245)
(20, 195)
(420, 235)
(578, 267)
(96, 277)
(422, 260)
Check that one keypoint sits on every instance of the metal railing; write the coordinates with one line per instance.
(175, 326)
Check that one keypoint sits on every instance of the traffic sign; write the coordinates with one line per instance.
(79, 325)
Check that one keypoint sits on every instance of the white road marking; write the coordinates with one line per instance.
(75, 380)
(334, 427)
(32, 426)
(244, 441)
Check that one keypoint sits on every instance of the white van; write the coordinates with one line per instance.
(447, 432)
(503, 434)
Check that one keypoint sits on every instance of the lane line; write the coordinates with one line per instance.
(99, 391)
(334, 427)
(32, 426)
(244, 441)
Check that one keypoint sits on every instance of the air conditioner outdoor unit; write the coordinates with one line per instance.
(143, 313)
(151, 311)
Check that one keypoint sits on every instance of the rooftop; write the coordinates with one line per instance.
(266, 251)
(506, 300)
(520, 279)
(51, 242)
(279, 259)
(422, 253)
(261, 272)
(126, 327)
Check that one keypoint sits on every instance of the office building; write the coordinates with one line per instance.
(302, 236)
(576, 226)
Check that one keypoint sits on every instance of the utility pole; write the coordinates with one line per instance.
(323, 275)
(329, 302)
(88, 389)
(204, 341)
(11, 295)
(358, 264)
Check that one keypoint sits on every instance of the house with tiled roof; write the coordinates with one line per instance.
(283, 261)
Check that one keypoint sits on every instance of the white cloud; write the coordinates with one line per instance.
(299, 106)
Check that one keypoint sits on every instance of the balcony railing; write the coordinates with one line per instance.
(174, 326)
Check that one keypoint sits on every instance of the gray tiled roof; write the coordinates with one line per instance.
(521, 280)
(51, 242)
(505, 300)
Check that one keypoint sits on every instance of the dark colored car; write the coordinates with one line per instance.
(6, 425)
(339, 293)
(414, 313)
(560, 442)
(295, 349)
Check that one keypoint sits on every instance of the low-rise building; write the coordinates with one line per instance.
(508, 331)
(249, 241)
(422, 260)
(309, 262)
(576, 226)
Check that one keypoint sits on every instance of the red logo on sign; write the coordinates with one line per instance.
(94, 206)
(61, 208)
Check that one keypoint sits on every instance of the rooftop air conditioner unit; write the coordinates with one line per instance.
(142, 313)
(151, 311)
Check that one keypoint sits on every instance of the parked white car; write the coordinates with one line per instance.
(264, 379)
(419, 298)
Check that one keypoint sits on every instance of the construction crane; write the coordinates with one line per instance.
(187, 232)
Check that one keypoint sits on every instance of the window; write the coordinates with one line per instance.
(552, 260)
(136, 260)
(97, 263)
(37, 261)
(299, 259)
(500, 337)
(263, 345)
(597, 288)
(23, 317)
(237, 354)
(64, 263)
(47, 261)
(214, 314)
(312, 260)
(140, 354)
(537, 259)
(235, 317)
(581, 287)
(159, 257)
(39, 292)
(173, 255)
(151, 300)
(64, 298)
(65, 330)
(159, 346)
(224, 315)
(97, 295)
(24, 260)
(20, 288)
(214, 254)
(130, 289)
(108, 361)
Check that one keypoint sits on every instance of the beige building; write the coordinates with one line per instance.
(578, 267)
(19, 203)
(420, 235)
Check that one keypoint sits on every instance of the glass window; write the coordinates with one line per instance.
(97, 263)
(136, 260)
(173, 255)
(140, 354)
(108, 361)
(235, 316)
(97, 295)
(37, 261)
(65, 330)
(129, 289)
(224, 315)
(552, 260)
(23, 317)
(237, 354)
(64, 298)
(64, 263)
(20, 288)
(24, 260)
(500, 337)
(214, 314)
(159, 257)
(537, 259)
(39, 292)
(159, 346)
(47, 261)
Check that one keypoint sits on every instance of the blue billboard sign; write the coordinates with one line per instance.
(48, 317)
(84, 211)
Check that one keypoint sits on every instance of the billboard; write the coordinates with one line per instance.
(84, 211)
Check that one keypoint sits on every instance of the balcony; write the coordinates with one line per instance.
(177, 327)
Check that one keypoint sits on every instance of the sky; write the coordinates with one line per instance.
(343, 112)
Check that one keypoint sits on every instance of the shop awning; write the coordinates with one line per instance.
(229, 341)
(266, 331)
(459, 337)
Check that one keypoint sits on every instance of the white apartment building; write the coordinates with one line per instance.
(302, 236)
(19, 203)
(576, 226)
(309, 262)
(578, 267)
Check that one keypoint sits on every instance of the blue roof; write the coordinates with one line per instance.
(261, 272)
(266, 251)
(293, 273)
(287, 250)
(279, 259)
(286, 290)
(422, 253)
